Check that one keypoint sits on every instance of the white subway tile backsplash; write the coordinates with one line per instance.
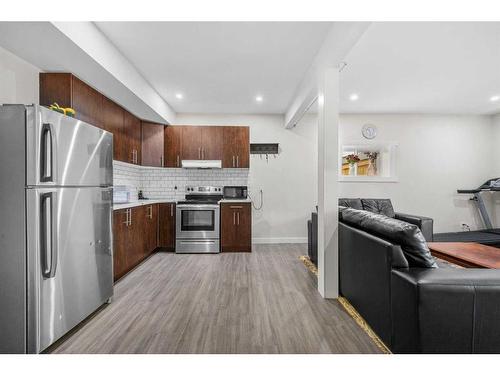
(170, 183)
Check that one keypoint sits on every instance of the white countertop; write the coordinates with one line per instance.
(142, 202)
(145, 202)
(235, 200)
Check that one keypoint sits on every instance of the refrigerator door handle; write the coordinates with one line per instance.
(46, 154)
(48, 240)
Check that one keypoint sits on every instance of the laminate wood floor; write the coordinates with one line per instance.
(260, 302)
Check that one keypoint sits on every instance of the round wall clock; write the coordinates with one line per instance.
(369, 131)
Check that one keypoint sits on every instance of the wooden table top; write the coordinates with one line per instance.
(467, 254)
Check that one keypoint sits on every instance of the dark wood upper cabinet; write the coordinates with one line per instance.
(172, 145)
(211, 139)
(191, 143)
(153, 138)
(133, 141)
(236, 146)
(236, 227)
(113, 121)
(201, 143)
(166, 225)
(68, 91)
(87, 103)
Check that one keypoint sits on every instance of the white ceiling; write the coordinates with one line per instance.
(424, 68)
(220, 67)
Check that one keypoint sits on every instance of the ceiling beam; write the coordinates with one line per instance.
(338, 42)
(80, 48)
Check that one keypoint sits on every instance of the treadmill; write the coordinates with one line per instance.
(489, 236)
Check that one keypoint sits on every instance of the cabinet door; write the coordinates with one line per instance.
(227, 227)
(236, 149)
(191, 143)
(236, 227)
(133, 138)
(120, 243)
(113, 122)
(166, 230)
(87, 103)
(212, 140)
(172, 145)
(152, 144)
(151, 229)
(242, 146)
(137, 244)
(243, 227)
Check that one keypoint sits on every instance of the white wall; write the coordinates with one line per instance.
(437, 155)
(288, 182)
(18, 80)
(496, 169)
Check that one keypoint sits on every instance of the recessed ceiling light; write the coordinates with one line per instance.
(259, 98)
(495, 98)
(179, 95)
(353, 97)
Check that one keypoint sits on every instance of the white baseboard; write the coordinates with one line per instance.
(272, 240)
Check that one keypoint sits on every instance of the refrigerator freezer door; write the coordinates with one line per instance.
(69, 259)
(63, 151)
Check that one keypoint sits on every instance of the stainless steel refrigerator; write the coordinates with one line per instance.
(56, 195)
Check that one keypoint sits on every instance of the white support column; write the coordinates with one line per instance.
(328, 122)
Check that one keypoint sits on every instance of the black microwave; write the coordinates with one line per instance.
(235, 192)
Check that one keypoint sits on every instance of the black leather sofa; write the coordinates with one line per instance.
(413, 306)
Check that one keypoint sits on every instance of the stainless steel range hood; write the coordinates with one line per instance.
(201, 164)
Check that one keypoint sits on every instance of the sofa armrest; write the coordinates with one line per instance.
(426, 224)
(445, 311)
(365, 264)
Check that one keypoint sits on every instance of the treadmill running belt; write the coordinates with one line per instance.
(490, 237)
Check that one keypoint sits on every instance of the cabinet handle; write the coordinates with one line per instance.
(178, 161)
(203, 153)
(130, 216)
(233, 161)
(238, 216)
(150, 215)
(161, 161)
(234, 218)
(199, 152)
(237, 161)
(171, 210)
(236, 207)
(126, 217)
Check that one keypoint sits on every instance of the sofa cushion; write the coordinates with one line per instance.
(401, 233)
(378, 206)
(351, 203)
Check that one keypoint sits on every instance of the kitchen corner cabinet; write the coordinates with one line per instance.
(172, 146)
(134, 237)
(236, 149)
(68, 91)
(94, 108)
(166, 226)
(153, 144)
(236, 227)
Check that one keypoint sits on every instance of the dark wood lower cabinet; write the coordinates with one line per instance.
(135, 234)
(166, 228)
(236, 227)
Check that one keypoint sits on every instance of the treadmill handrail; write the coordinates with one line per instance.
(464, 191)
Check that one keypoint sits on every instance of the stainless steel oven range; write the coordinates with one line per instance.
(198, 220)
